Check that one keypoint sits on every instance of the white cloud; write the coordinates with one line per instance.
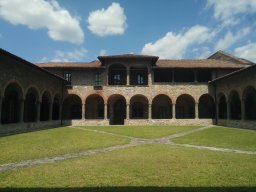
(247, 52)
(201, 52)
(102, 52)
(110, 21)
(62, 56)
(231, 38)
(176, 45)
(228, 10)
(43, 14)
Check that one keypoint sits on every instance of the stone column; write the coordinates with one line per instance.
(228, 110)
(195, 76)
(21, 111)
(242, 109)
(38, 111)
(50, 111)
(127, 111)
(149, 111)
(174, 111)
(128, 76)
(150, 77)
(196, 111)
(1, 99)
(83, 110)
(105, 111)
(173, 76)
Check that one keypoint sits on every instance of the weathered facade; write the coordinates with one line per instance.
(131, 90)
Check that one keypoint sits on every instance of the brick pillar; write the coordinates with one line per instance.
(38, 110)
(174, 111)
(1, 99)
(128, 76)
(83, 110)
(50, 111)
(228, 110)
(21, 111)
(196, 111)
(242, 109)
(105, 111)
(149, 111)
(127, 111)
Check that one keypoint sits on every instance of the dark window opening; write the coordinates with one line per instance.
(137, 110)
(139, 107)
(97, 79)
(162, 75)
(204, 75)
(68, 76)
(138, 76)
(72, 107)
(94, 107)
(56, 109)
(30, 108)
(45, 108)
(117, 75)
(184, 75)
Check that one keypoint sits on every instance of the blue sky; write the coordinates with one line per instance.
(80, 30)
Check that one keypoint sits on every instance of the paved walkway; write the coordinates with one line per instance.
(134, 142)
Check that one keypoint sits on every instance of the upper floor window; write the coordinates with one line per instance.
(138, 76)
(97, 79)
(117, 75)
(68, 76)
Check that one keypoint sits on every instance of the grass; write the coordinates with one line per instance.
(145, 168)
(52, 142)
(222, 137)
(143, 131)
(160, 166)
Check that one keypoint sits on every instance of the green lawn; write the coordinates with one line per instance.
(52, 142)
(222, 137)
(145, 168)
(148, 165)
(143, 131)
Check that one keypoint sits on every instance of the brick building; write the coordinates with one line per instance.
(127, 89)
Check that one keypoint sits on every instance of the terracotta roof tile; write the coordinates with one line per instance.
(199, 63)
(93, 64)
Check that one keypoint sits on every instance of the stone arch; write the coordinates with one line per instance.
(31, 104)
(116, 109)
(206, 107)
(139, 107)
(235, 105)
(94, 107)
(95, 93)
(249, 99)
(56, 107)
(72, 107)
(19, 85)
(117, 74)
(45, 106)
(11, 107)
(185, 107)
(222, 106)
(161, 107)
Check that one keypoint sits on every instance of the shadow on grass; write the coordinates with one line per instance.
(134, 189)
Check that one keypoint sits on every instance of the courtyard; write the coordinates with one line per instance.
(129, 158)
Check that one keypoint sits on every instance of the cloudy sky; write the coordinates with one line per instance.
(80, 30)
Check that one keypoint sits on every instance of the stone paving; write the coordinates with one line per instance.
(134, 142)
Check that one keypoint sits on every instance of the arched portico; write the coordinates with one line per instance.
(161, 107)
(185, 107)
(139, 107)
(116, 109)
(94, 107)
(206, 107)
(72, 107)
